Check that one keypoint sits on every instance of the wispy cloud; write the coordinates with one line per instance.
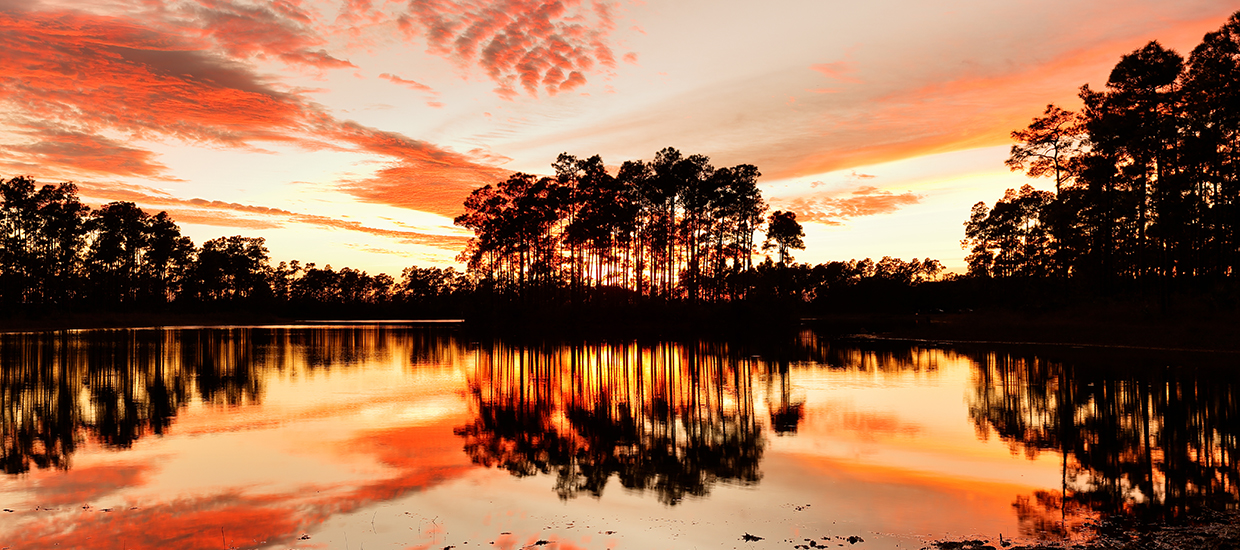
(838, 70)
(247, 216)
(413, 85)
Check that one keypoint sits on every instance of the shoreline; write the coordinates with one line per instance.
(1207, 530)
(1065, 329)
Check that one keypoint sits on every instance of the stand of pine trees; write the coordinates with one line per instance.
(1147, 182)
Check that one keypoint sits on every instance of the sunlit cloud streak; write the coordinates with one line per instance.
(230, 214)
(837, 208)
(411, 84)
(49, 145)
(838, 70)
(424, 178)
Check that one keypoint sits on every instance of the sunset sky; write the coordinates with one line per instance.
(348, 133)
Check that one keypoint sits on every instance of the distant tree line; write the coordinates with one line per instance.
(672, 231)
(1147, 180)
(54, 250)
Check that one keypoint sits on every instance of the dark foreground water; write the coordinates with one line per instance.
(374, 437)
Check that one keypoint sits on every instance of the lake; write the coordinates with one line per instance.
(421, 437)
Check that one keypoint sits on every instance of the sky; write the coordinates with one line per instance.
(348, 133)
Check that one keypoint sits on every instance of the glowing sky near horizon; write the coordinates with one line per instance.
(349, 132)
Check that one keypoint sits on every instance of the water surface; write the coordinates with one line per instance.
(417, 437)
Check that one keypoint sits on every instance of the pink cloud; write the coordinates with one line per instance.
(407, 83)
(838, 70)
(531, 44)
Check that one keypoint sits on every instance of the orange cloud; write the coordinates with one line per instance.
(423, 456)
(81, 75)
(422, 177)
(865, 200)
(86, 152)
(420, 457)
(279, 31)
(408, 83)
(533, 44)
(893, 496)
(221, 219)
(91, 73)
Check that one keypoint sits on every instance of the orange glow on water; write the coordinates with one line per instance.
(414, 437)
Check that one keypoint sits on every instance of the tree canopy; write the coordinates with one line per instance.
(1147, 179)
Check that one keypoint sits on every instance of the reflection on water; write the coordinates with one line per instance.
(668, 418)
(873, 435)
(1156, 441)
(116, 386)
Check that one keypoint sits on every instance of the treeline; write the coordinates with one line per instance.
(56, 251)
(672, 228)
(675, 231)
(671, 232)
(1147, 181)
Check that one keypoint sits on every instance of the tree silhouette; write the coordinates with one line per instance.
(784, 233)
(674, 228)
(1045, 147)
(231, 268)
(1147, 192)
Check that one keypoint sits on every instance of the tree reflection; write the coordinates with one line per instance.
(117, 386)
(667, 418)
(1156, 442)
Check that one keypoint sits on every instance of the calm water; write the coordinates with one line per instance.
(415, 437)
